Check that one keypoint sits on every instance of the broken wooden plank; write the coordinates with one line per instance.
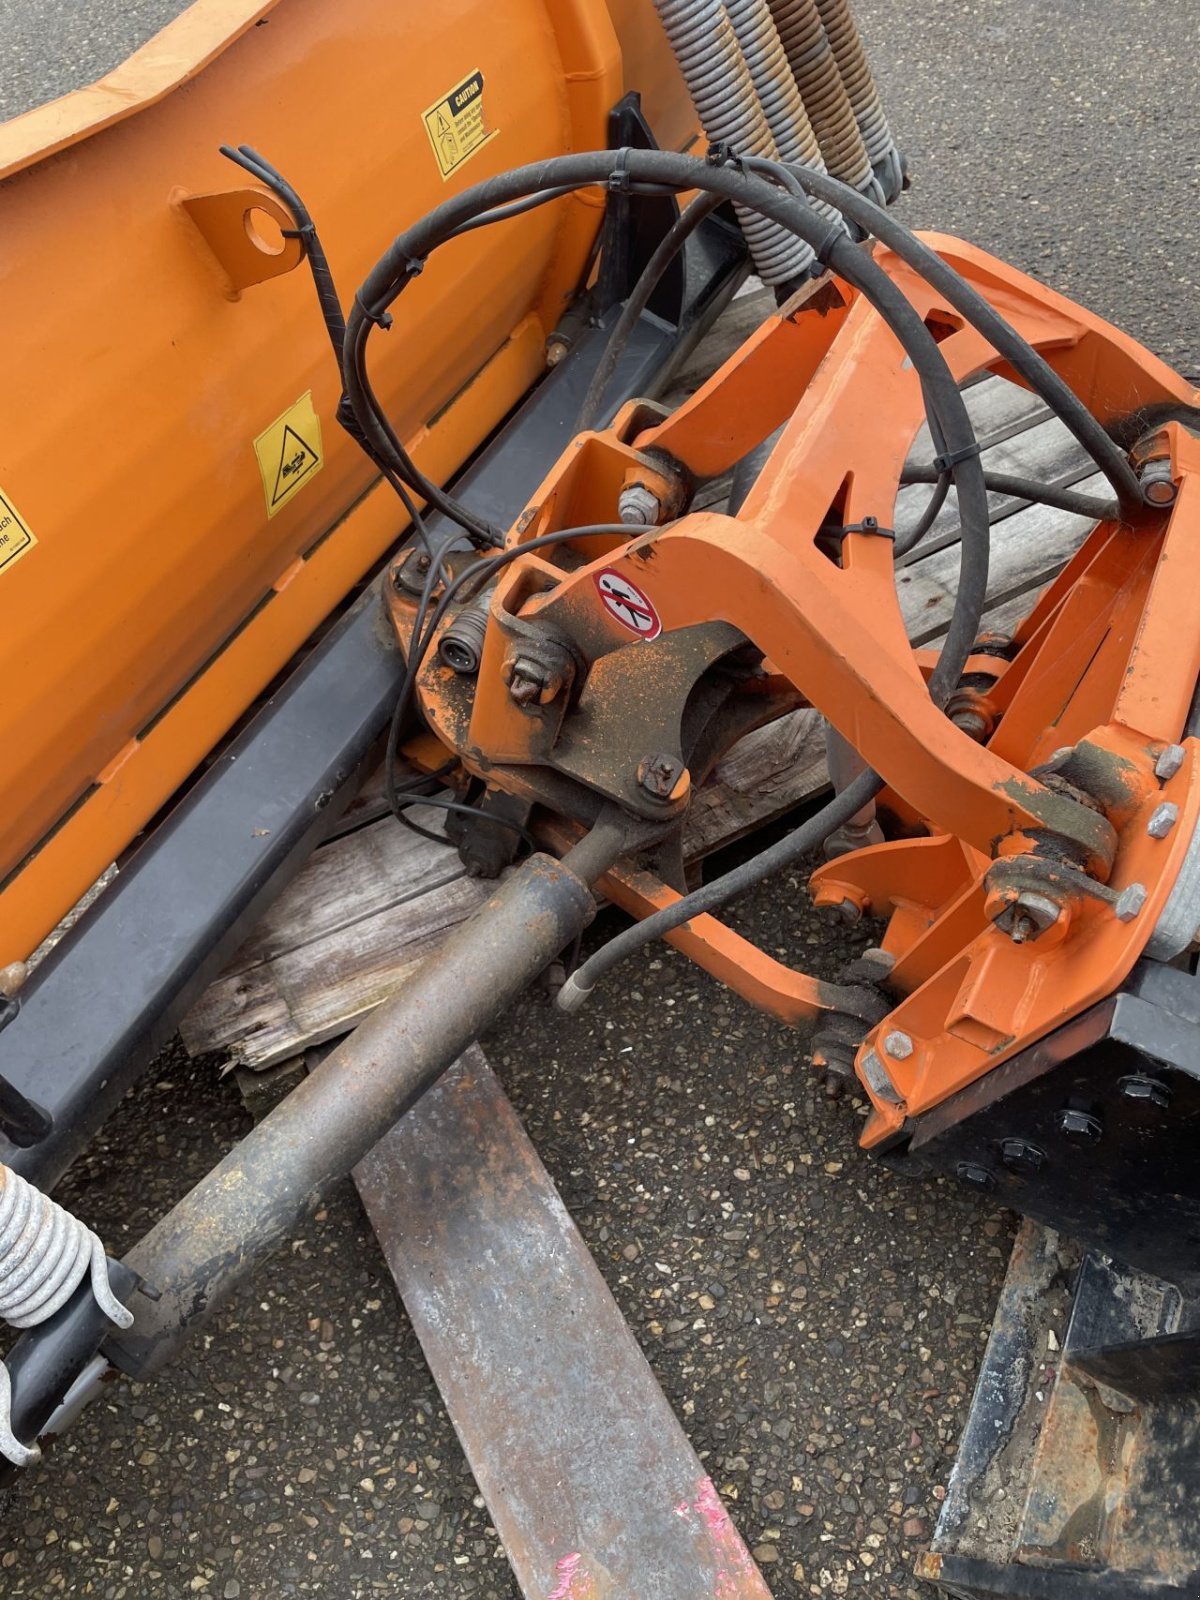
(589, 1479)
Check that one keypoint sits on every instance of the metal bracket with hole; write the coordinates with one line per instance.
(244, 232)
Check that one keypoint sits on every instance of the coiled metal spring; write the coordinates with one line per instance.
(815, 68)
(851, 58)
(777, 90)
(718, 79)
(45, 1254)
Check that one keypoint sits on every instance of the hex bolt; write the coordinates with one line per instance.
(1129, 902)
(1019, 1155)
(971, 1172)
(1162, 819)
(898, 1045)
(527, 681)
(636, 503)
(659, 775)
(972, 723)
(1169, 762)
(1145, 1090)
(1080, 1126)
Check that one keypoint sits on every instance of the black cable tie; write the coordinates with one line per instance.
(307, 231)
(824, 248)
(620, 179)
(949, 459)
(870, 525)
(381, 319)
(721, 154)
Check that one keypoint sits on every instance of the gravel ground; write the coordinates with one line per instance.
(820, 1321)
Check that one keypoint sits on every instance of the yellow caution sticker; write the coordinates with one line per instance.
(289, 453)
(15, 538)
(456, 125)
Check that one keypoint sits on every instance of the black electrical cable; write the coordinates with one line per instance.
(1081, 505)
(668, 247)
(910, 540)
(969, 303)
(397, 465)
(711, 896)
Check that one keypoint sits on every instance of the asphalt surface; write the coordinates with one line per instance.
(819, 1321)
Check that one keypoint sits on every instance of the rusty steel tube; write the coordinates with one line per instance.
(815, 70)
(253, 1199)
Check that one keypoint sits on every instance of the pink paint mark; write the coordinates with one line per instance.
(708, 1504)
(737, 1578)
(567, 1570)
(683, 1510)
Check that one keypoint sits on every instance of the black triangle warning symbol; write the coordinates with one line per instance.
(296, 461)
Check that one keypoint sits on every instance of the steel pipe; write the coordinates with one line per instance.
(249, 1203)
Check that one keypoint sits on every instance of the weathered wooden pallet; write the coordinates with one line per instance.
(376, 899)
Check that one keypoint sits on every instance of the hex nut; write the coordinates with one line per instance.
(1129, 902)
(658, 775)
(1162, 819)
(977, 1176)
(898, 1045)
(1145, 1090)
(637, 504)
(1020, 1155)
(1080, 1126)
(1169, 762)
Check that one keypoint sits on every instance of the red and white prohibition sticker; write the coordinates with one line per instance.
(626, 604)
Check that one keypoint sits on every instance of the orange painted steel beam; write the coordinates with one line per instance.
(161, 338)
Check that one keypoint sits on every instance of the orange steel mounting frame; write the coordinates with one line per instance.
(1049, 808)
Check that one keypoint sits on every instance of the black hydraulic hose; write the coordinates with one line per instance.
(1001, 335)
(665, 251)
(712, 896)
(1080, 505)
(910, 540)
(408, 253)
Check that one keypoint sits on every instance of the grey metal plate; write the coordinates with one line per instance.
(590, 1480)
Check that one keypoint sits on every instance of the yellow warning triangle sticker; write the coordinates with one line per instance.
(295, 461)
(289, 453)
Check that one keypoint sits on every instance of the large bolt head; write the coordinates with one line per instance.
(1169, 762)
(1162, 819)
(1019, 1155)
(898, 1045)
(976, 1176)
(1129, 902)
